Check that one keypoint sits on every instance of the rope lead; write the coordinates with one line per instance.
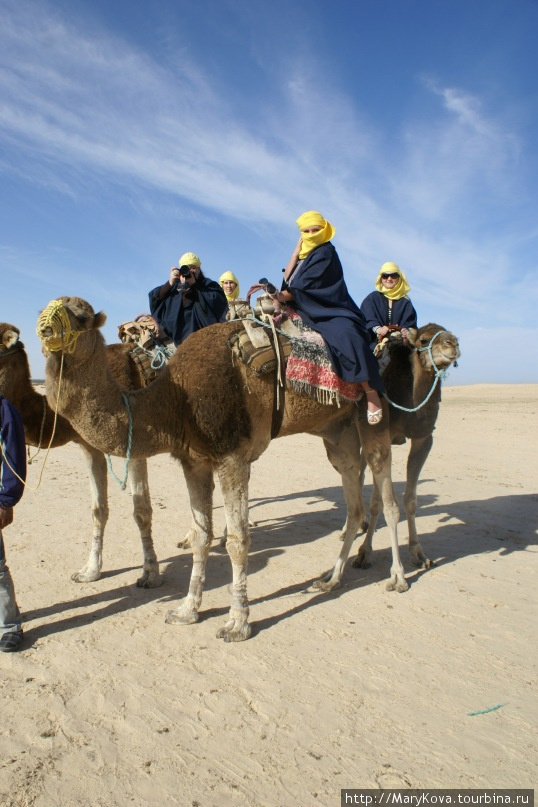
(123, 482)
(438, 374)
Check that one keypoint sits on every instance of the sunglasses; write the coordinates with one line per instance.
(393, 275)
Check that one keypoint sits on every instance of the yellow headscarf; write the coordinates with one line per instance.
(189, 259)
(401, 288)
(312, 240)
(235, 293)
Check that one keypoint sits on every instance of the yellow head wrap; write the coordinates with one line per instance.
(189, 259)
(312, 240)
(401, 288)
(235, 293)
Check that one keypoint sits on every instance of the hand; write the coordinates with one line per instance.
(404, 332)
(175, 277)
(6, 516)
(383, 330)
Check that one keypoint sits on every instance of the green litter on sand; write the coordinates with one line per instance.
(485, 711)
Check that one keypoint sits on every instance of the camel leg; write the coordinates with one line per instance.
(415, 462)
(376, 445)
(185, 542)
(362, 561)
(199, 478)
(142, 512)
(234, 475)
(97, 469)
(364, 523)
(343, 450)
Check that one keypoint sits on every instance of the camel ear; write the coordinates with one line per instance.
(412, 336)
(100, 319)
(10, 338)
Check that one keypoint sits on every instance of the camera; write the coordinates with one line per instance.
(185, 271)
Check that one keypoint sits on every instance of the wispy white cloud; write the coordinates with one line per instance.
(80, 107)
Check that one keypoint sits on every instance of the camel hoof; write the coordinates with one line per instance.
(150, 580)
(85, 577)
(423, 563)
(179, 617)
(361, 562)
(234, 631)
(326, 584)
(419, 559)
(397, 585)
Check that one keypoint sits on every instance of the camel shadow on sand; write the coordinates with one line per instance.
(500, 525)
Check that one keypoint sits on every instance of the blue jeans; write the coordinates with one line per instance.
(10, 617)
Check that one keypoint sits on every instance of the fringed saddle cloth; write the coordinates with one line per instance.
(301, 351)
(149, 348)
(309, 370)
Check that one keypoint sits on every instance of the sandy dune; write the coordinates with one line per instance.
(107, 706)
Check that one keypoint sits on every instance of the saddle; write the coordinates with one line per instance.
(382, 351)
(150, 348)
(260, 345)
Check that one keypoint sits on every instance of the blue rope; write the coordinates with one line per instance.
(160, 356)
(123, 482)
(438, 374)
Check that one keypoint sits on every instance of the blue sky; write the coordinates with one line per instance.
(131, 132)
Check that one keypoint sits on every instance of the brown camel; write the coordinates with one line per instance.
(412, 381)
(213, 414)
(15, 384)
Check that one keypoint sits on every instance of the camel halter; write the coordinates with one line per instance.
(438, 374)
(63, 337)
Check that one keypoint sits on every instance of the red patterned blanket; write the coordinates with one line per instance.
(309, 370)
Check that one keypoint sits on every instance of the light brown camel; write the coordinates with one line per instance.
(213, 414)
(412, 381)
(15, 384)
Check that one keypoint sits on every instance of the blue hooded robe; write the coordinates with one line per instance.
(323, 301)
(205, 304)
(375, 308)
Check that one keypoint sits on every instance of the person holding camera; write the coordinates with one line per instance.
(188, 301)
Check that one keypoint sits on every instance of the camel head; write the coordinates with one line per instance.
(437, 348)
(63, 321)
(9, 337)
(14, 367)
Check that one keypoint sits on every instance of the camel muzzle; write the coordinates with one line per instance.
(54, 329)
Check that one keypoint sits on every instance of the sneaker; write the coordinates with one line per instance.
(9, 642)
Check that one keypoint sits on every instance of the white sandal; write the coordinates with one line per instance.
(374, 417)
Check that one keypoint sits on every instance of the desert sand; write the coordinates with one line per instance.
(107, 706)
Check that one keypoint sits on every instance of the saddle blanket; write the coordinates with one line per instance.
(309, 371)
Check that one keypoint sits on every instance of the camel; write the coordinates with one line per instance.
(411, 378)
(38, 418)
(213, 414)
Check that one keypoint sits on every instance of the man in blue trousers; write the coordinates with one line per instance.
(12, 477)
